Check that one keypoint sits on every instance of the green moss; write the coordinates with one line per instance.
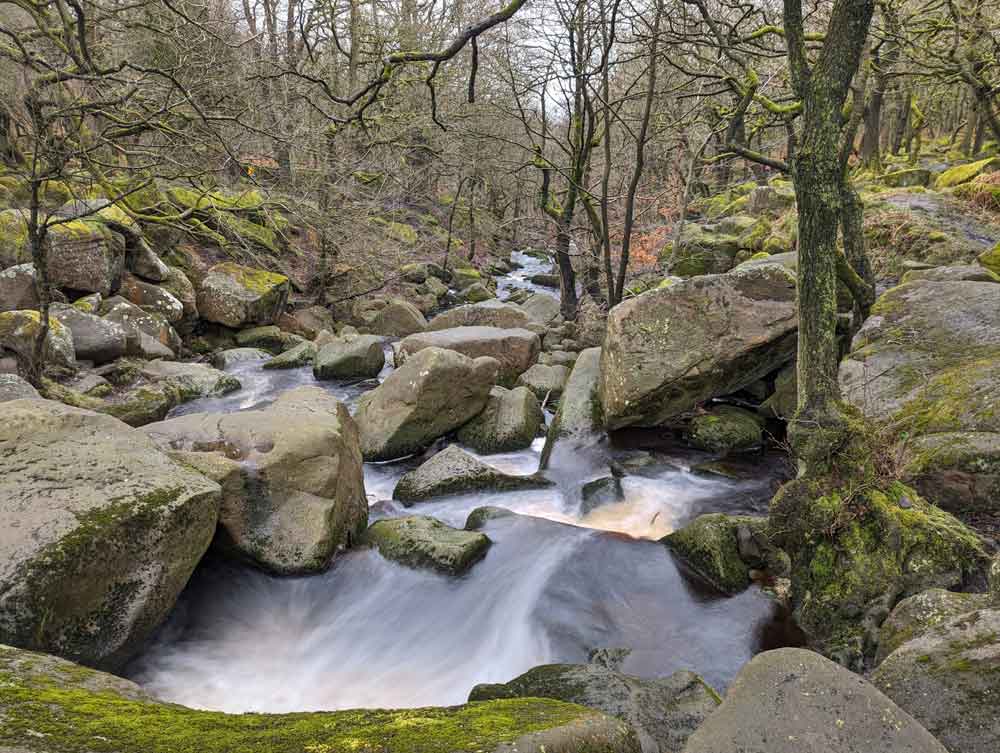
(963, 173)
(256, 280)
(398, 231)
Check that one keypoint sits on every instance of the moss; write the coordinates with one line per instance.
(708, 545)
(991, 259)
(398, 231)
(256, 280)
(963, 173)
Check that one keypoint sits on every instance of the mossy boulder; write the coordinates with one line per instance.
(490, 313)
(17, 288)
(464, 277)
(150, 297)
(949, 679)
(662, 711)
(52, 706)
(913, 176)
(668, 350)
(702, 250)
(726, 428)
(455, 471)
(299, 355)
(423, 542)
(194, 380)
(477, 293)
(915, 615)
(141, 260)
(350, 357)
(20, 329)
(514, 349)
(237, 296)
(990, 259)
(545, 382)
(709, 545)
(269, 337)
(86, 256)
(434, 392)
(783, 402)
(510, 421)
(579, 420)
(959, 174)
(770, 200)
(953, 273)
(101, 532)
(291, 477)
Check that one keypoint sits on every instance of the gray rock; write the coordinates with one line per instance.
(237, 296)
(94, 339)
(794, 701)
(308, 322)
(600, 492)
(491, 313)
(350, 357)
(226, 359)
(454, 471)
(85, 256)
(17, 288)
(99, 532)
(398, 318)
(296, 356)
(20, 329)
(541, 308)
(545, 382)
(915, 615)
(579, 421)
(143, 261)
(709, 545)
(423, 542)
(482, 515)
(510, 421)
(13, 387)
(269, 337)
(663, 711)
(150, 297)
(957, 273)
(515, 349)
(137, 323)
(192, 379)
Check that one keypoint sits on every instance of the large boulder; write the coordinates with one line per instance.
(17, 288)
(669, 349)
(926, 359)
(916, 615)
(13, 387)
(510, 421)
(579, 421)
(662, 711)
(710, 545)
(350, 357)
(150, 297)
(541, 308)
(238, 296)
(293, 489)
(702, 250)
(99, 532)
(423, 542)
(949, 679)
(143, 261)
(454, 471)
(726, 428)
(94, 339)
(794, 701)
(545, 382)
(20, 329)
(433, 393)
(192, 380)
(491, 313)
(515, 349)
(144, 330)
(398, 318)
(307, 322)
(81, 709)
(86, 257)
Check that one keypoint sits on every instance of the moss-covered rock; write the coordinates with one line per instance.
(959, 174)
(270, 337)
(477, 292)
(19, 331)
(702, 250)
(85, 256)
(424, 542)
(236, 296)
(953, 273)
(510, 421)
(726, 428)
(990, 259)
(913, 176)
(302, 354)
(709, 545)
(915, 615)
(454, 471)
(150, 297)
(350, 357)
(463, 277)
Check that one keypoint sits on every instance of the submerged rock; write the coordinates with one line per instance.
(99, 532)
(579, 421)
(600, 492)
(710, 546)
(424, 542)
(794, 701)
(662, 711)
(515, 349)
(453, 471)
(510, 421)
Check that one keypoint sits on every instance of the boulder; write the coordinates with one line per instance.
(464, 277)
(541, 308)
(959, 174)
(99, 532)
(794, 701)
(769, 200)
(515, 349)
(949, 679)
(491, 313)
(784, 401)
(545, 382)
(398, 318)
(179, 286)
(423, 542)
(193, 380)
(86, 257)
(545, 280)
(94, 339)
(268, 337)
(726, 428)
(299, 355)
(702, 250)
(958, 273)
(150, 297)
(307, 322)
(17, 288)
(579, 421)
(476, 293)
(142, 329)
(670, 349)
(19, 330)
(599, 492)
(141, 260)
(13, 387)
(226, 359)
(709, 545)
(914, 616)
(913, 176)
(455, 471)
(662, 711)
(510, 421)
(89, 304)
(925, 359)
(237, 296)
(350, 357)
(433, 393)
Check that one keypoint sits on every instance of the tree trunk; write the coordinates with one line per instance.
(567, 277)
(902, 122)
(871, 156)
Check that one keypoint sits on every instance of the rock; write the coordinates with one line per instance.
(151, 297)
(137, 323)
(770, 200)
(914, 616)
(600, 492)
(143, 261)
(545, 280)
(89, 304)
(913, 176)
(948, 679)
(784, 401)
(482, 515)
(350, 357)
(296, 356)
(579, 421)
(398, 318)
(958, 273)
(85, 256)
(938, 382)
(94, 339)
(307, 322)
(709, 545)
(558, 358)
(19, 330)
(671, 349)
(662, 711)
(433, 393)
(226, 359)
(237, 296)
(515, 349)
(491, 313)
(269, 337)
(546, 382)
(13, 387)
(423, 542)
(959, 174)
(464, 277)
(433, 286)
(794, 701)
(194, 380)
(17, 288)
(179, 286)
(291, 477)
(702, 250)
(510, 421)
(99, 532)
(75, 706)
(726, 428)
(476, 293)
(454, 471)
(541, 308)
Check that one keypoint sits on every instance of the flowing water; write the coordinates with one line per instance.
(520, 278)
(557, 583)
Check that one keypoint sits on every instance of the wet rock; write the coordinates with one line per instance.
(794, 701)
(94, 339)
(454, 471)
(17, 288)
(600, 492)
(709, 545)
(545, 280)
(662, 711)
(226, 359)
(151, 297)
(510, 421)
(398, 318)
(269, 337)
(726, 428)
(424, 542)
(491, 313)
(349, 357)
(237, 296)
(914, 616)
(948, 679)
(20, 329)
(545, 382)
(101, 532)
(433, 393)
(13, 387)
(671, 349)
(293, 490)
(482, 515)
(515, 349)
(579, 421)
(541, 308)
(194, 380)
(296, 356)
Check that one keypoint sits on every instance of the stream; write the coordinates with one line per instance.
(556, 584)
